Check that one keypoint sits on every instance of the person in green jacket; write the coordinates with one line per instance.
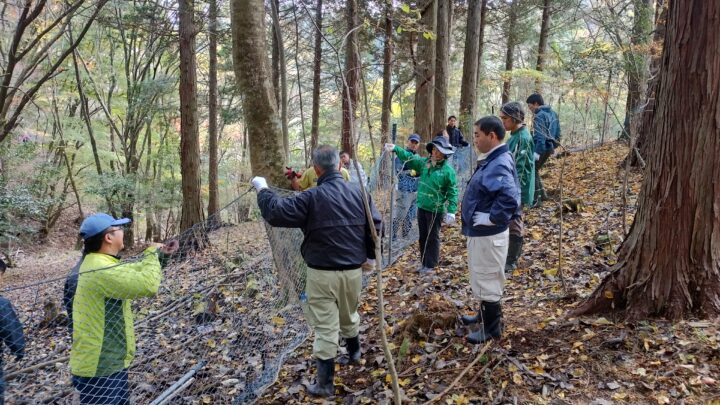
(103, 343)
(437, 195)
(521, 146)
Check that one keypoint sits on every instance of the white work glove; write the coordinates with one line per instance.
(449, 218)
(536, 156)
(259, 183)
(482, 218)
(389, 147)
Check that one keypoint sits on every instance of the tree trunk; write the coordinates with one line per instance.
(656, 53)
(253, 75)
(669, 265)
(442, 56)
(481, 38)
(192, 211)
(213, 198)
(387, 74)
(299, 83)
(425, 71)
(636, 64)
(352, 78)
(317, 62)
(510, 51)
(468, 88)
(542, 45)
(277, 32)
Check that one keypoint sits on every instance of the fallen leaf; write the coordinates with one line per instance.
(517, 379)
(613, 385)
(602, 321)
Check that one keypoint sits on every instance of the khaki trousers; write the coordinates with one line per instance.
(331, 308)
(486, 260)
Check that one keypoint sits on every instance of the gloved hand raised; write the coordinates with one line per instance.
(389, 147)
(449, 218)
(536, 156)
(291, 174)
(259, 183)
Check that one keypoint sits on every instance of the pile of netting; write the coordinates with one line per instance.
(226, 314)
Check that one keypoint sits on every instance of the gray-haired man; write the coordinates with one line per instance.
(334, 259)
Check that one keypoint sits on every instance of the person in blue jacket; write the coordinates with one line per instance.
(491, 200)
(546, 135)
(11, 334)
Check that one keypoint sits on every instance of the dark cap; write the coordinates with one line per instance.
(442, 144)
(514, 110)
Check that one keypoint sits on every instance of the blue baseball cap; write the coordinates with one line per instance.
(96, 223)
(414, 137)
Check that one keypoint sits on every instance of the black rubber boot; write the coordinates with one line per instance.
(324, 386)
(353, 354)
(514, 252)
(472, 319)
(492, 323)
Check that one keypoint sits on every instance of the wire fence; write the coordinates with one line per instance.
(213, 326)
(394, 190)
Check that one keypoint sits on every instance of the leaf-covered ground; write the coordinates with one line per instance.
(544, 356)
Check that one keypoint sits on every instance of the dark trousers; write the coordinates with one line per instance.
(540, 193)
(110, 390)
(429, 228)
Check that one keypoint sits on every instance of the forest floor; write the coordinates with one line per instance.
(544, 356)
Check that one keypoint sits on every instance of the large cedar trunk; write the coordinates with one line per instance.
(542, 44)
(192, 210)
(425, 71)
(509, 51)
(317, 65)
(252, 73)
(669, 265)
(468, 92)
(213, 200)
(352, 78)
(442, 55)
(387, 75)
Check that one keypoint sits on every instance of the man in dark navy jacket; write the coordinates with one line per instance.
(337, 243)
(491, 199)
(11, 334)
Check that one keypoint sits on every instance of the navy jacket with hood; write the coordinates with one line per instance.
(546, 129)
(493, 188)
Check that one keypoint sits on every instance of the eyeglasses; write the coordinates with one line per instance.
(114, 230)
(414, 142)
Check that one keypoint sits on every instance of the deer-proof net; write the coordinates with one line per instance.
(394, 189)
(213, 325)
